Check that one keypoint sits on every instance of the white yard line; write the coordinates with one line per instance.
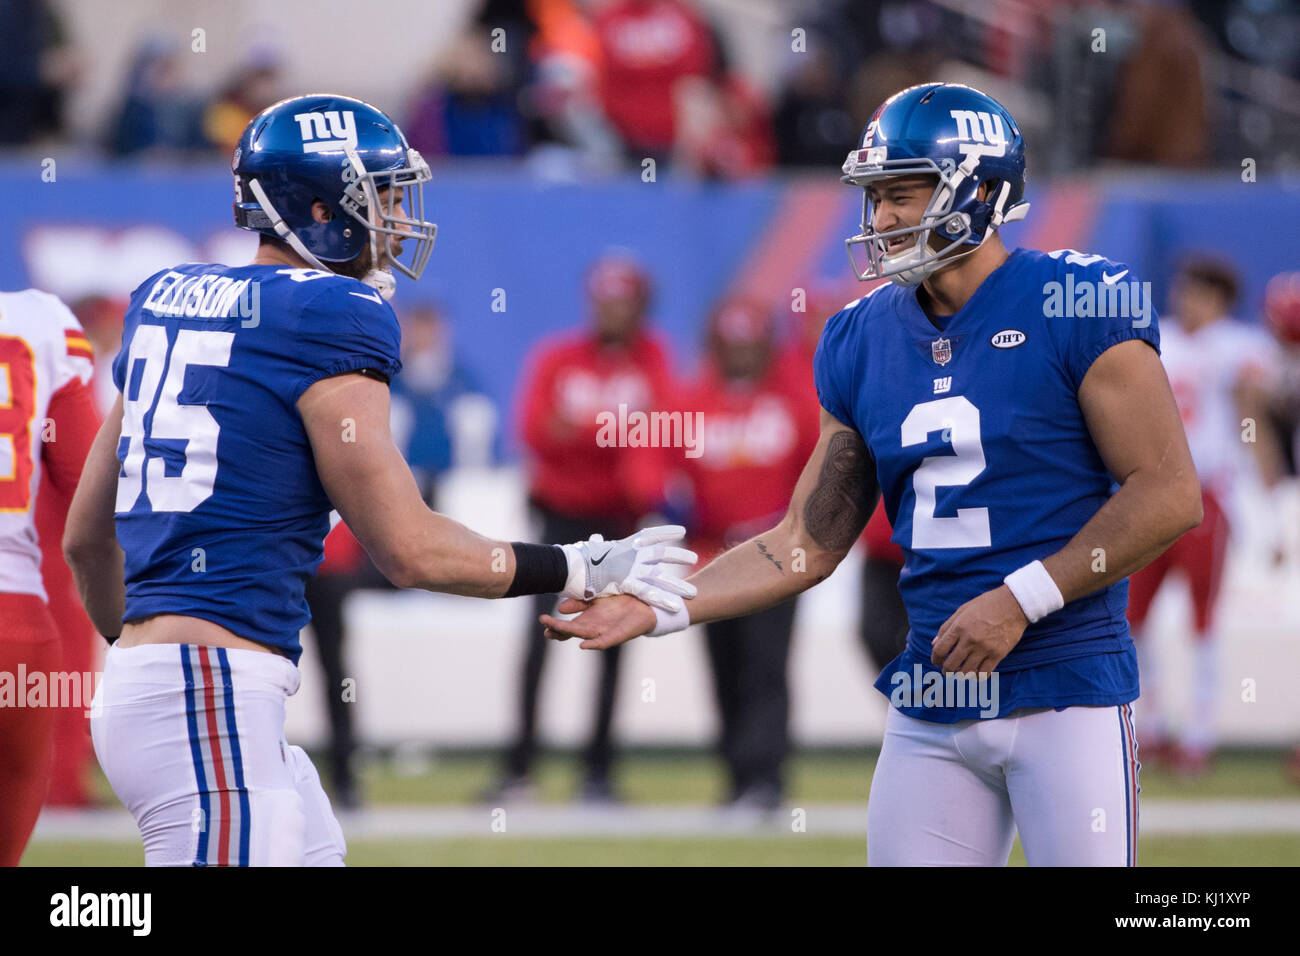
(1165, 817)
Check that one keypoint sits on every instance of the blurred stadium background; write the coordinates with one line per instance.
(1179, 134)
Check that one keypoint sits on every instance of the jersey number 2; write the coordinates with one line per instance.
(959, 420)
(172, 420)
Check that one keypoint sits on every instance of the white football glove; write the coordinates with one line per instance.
(599, 568)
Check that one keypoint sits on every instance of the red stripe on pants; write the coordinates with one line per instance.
(218, 766)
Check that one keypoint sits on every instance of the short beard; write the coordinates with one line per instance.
(357, 268)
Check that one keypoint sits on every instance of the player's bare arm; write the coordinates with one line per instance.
(368, 481)
(829, 508)
(90, 539)
(1134, 423)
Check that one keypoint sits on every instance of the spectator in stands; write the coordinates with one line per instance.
(812, 120)
(471, 106)
(36, 67)
(571, 139)
(1159, 112)
(851, 56)
(252, 89)
(758, 431)
(157, 115)
(613, 366)
(723, 127)
(648, 47)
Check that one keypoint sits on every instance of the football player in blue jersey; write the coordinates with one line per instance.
(1012, 410)
(254, 400)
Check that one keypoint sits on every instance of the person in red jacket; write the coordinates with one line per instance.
(646, 48)
(47, 423)
(576, 381)
(883, 623)
(759, 427)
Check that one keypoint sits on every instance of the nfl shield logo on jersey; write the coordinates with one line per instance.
(941, 351)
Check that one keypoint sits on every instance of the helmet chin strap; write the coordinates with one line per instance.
(281, 229)
(914, 277)
(381, 280)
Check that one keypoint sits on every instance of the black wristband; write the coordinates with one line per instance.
(539, 569)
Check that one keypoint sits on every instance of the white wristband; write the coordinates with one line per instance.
(1034, 588)
(670, 622)
(576, 585)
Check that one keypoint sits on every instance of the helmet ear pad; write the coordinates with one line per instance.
(334, 240)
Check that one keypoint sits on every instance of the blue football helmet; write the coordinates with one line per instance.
(343, 152)
(964, 138)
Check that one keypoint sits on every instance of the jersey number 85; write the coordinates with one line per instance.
(170, 421)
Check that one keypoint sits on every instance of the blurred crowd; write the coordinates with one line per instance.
(580, 87)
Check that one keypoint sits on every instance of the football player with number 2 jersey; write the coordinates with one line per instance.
(254, 400)
(1012, 410)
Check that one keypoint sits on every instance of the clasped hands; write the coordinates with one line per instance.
(629, 578)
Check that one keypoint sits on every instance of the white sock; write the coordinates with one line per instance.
(1201, 721)
(1150, 718)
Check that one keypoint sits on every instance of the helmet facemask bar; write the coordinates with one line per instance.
(376, 193)
(910, 265)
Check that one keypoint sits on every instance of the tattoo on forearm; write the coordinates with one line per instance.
(838, 507)
(762, 549)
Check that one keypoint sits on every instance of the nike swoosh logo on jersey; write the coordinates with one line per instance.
(372, 296)
(1111, 280)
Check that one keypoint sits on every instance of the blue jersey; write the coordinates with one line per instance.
(984, 459)
(220, 511)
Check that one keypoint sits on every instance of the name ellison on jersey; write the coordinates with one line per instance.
(201, 296)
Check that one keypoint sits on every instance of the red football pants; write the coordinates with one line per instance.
(1199, 553)
(29, 644)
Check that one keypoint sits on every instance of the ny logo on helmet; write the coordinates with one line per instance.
(328, 130)
(982, 131)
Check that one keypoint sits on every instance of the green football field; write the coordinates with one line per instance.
(695, 780)
(1252, 850)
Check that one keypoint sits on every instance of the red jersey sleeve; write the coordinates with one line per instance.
(75, 421)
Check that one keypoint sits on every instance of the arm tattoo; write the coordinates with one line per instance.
(840, 504)
(762, 548)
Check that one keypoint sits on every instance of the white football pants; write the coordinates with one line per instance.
(192, 740)
(956, 794)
